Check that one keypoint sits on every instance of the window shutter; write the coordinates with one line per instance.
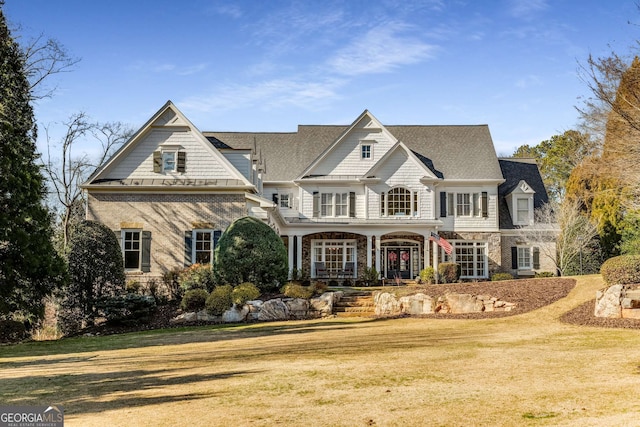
(352, 204)
(188, 248)
(182, 161)
(118, 234)
(275, 198)
(485, 205)
(145, 263)
(514, 257)
(382, 203)
(290, 204)
(536, 258)
(157, 161)
(316, 204)
(216, 238)
(450, 205)
(443, 204)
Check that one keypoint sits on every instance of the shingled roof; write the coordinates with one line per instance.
(514, 171)
(452, 152)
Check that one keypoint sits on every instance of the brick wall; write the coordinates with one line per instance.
(167, 217)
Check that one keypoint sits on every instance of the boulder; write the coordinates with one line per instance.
(274, 309)
(608, 302)
(323, 304)
(298, 308)
(417, 304)
(464, 303)
(236, 314)
(254, 308)
(386, 304)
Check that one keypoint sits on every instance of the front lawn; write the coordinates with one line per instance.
(528, 369)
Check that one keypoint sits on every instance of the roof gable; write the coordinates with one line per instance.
(168, 129)
(342, 157)
(390, 161)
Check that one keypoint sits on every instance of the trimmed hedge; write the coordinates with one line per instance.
(501, 276)
(220, 300)
(296, 290)
(198, 276)
(621, 270)
(427, 275)
(244, 292)
(127, 309)
(194, 300)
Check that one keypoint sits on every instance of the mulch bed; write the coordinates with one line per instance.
(527, 294)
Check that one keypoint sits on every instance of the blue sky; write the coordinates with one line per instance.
(271, 65)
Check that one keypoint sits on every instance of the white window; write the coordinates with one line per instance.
(342, 204)
(400, 201)
(334, 254)
(202, 246)
(365, 151)
(131, 249)
(522, 211)
(524, 258)
(169, 161)
(326, 204)
(476, 205)
(472, 257)
(463, 205)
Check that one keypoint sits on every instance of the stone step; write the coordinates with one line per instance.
(354, 309)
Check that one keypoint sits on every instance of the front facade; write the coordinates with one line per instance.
(363, 195)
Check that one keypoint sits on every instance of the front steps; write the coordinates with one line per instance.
(355, 304)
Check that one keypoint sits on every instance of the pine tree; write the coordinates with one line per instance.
(30, 269)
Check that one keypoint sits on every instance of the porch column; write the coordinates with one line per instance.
(377, 260)
(290, 250)
(299, 250)
(425, 248)
(435, 260)
(369, 248)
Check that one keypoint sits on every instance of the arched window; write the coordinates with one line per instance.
(400, 202)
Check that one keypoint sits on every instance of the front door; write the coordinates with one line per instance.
(398, 262)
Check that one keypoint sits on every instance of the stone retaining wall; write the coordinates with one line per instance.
(618, 301)
(387, 304)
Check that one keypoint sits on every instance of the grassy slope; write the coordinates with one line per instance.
(523, 370)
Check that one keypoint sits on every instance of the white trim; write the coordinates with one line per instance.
(123, 240)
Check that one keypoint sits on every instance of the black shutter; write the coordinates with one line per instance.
(485, 205)
(182, 161)
(536, 258)
(443, 204)
(216, 238)
(146, 252)
(316, 204)
(157, 161)
(275, 199)
(352, 204)
(383, 206)
(514, 257)
(187, 248)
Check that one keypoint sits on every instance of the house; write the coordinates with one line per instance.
(366, 194)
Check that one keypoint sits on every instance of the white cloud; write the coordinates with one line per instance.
(526, 8)
(382, 49)
(155, 67)
(272, 94)
(528, 81)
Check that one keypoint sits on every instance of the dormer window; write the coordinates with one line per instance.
(365, 151)
(169, 160)
(522, 211)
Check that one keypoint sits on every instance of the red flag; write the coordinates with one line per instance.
(442, 242)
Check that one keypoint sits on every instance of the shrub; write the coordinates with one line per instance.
(127, 309)
(370, 276)
(171, 282)
(428, 275)
(541, 274)
(194, 300)
(296, 290)
(198, 276)
(250, 251)
(244, 292)
(501, 276)
(621, 270)
(96, 271)
(220, 300)
(449, 272)
(12, 331)
(318, 288)
(133, 286)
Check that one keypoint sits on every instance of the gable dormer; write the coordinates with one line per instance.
(520, 203)
(356, 151)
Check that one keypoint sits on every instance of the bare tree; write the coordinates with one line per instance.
(67, 172)
(45, 57)
(567, 226)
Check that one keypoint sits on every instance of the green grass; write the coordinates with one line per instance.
(529, 369)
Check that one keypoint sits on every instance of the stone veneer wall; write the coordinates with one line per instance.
(494, 249)
(167, 217)
(546, 264)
